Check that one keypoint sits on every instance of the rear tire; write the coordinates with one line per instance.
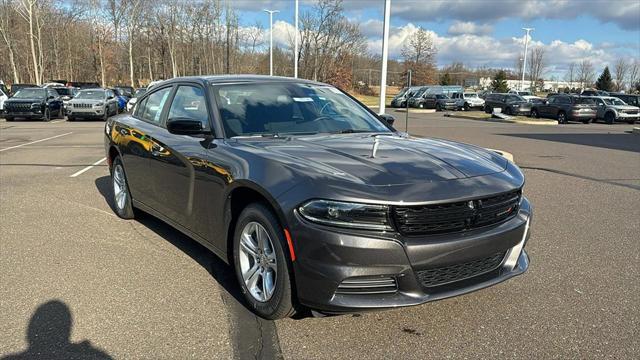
(487, 109)
(534, 114)
(279, 302)
(438, 107)
(121, 196)
(586, 121)
(466, 107)
(9, 118)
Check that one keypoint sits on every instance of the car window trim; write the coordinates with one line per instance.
(206, 100)
(164, 110)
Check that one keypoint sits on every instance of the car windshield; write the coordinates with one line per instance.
(270, 109)
(63, 91)
(419, 93)
(30, 93)
(614, 101)
(91, 94)
(470, 95)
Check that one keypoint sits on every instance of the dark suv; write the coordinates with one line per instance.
(566, 108)
(439, 102)
(313, 199)
(629, 99)
(510, 104)
(34, 103)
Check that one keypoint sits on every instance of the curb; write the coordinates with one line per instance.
(527, 122)
(416, 111)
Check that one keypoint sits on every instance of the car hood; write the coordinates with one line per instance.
(623, 107)
(23, 100)
(396, 159)
(85, 101)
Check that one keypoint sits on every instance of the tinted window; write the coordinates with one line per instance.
(91, 94)
(152, 107)
(30, 94)
(290, 108)
(63, 91)
(190, 103)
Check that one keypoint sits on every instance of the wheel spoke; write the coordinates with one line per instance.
(248, 246)
(260, 236)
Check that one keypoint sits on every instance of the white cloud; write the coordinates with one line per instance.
(483, 50)
(468, 27)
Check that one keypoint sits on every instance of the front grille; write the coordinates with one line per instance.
(82, 106)
(631, 111)
(452, 273)
(456, 216)
(367, 285)
(18, 107)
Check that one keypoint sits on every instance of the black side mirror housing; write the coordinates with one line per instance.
(387, 119)
(184, 126)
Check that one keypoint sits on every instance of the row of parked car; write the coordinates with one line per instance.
(588, 106)
(569, 107)
(57, 100)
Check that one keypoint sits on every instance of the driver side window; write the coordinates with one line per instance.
(190, 103)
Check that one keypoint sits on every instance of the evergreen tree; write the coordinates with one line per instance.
(499, 83)
(445, 79)
(604, 82)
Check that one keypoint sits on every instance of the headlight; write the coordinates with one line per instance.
(35, 105)
(98, 104)
(344, 214)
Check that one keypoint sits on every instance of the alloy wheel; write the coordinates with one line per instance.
(258, 261)
(119, 187)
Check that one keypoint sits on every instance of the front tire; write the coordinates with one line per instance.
(466, 107)
(534, 114)
(261, 263)
(47, 115)
(562, 117)
(609, 118)
(121, 196)
(438, 107)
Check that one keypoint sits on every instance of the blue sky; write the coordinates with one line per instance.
(486, 32)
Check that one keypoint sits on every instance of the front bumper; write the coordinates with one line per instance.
(24, 115)
(85, 114)
(327, 256)
(626, 117)
(449, 106)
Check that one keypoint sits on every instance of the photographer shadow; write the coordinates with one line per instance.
(48, 335)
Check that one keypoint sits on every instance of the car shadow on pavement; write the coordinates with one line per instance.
(48, 336)
(625, 142)
(252, 336)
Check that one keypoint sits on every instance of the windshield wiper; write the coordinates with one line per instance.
(351, 131)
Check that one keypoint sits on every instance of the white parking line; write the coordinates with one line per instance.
(88, 167)
(37, 141)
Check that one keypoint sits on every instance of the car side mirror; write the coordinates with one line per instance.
(110, 97)
(184, 126)
(387, 119)
(50, 97)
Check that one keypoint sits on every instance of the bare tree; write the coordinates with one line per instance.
(586, 73)
(633, 78)
(419, 47)
(538, 64)
(6, 25)
(570, 75)
(29, 10)
(621, 69)
(132, 23)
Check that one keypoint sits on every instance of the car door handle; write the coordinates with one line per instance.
(156, 149)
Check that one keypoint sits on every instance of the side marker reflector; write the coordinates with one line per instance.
(290, 243)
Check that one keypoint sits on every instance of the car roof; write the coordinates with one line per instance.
(229, 79)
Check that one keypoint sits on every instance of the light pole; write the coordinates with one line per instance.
(385, 55)
(295, 54)
(524, 62)
(271, 12)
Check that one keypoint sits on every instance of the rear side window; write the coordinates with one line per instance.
(190, 103)
(151, 108)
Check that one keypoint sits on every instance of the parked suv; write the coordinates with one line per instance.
(437, 101)
(468, 101)
(92, 104)
(314, 200)
(612, 109)
(510, 104)
(566, 108)
(629, 99)
(34, 103)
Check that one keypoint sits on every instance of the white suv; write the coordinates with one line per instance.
(468, 100)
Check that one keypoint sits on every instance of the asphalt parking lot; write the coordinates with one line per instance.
(140, 289)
